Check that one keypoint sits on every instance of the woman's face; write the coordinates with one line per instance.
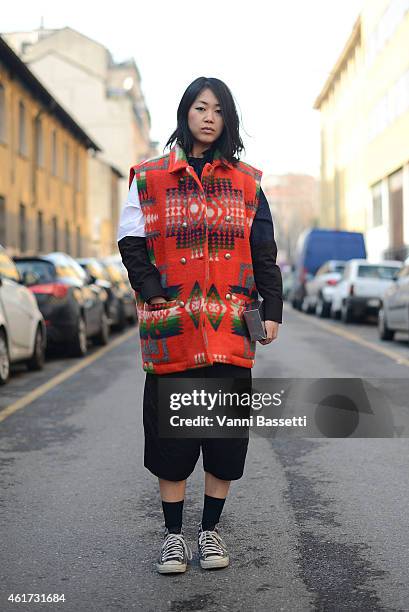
(205, 118)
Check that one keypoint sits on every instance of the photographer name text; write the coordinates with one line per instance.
(222, 421)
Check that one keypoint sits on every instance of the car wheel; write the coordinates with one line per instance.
(133, 319)
(102, 338)
(36, 361)
(4, 359)
(346, 314)
(306, 307)
(322, 309)
(385, 333)
(79, 345)
(334, 314)
(120, 326)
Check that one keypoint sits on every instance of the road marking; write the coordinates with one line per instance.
(350, 336)
(44, 388)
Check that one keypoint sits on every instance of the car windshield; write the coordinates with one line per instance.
(37, 271)
(340, 268)
(378, 272)
(96, 270)
(119, 266)
(7, 267)
(68, 270)
(114, 273)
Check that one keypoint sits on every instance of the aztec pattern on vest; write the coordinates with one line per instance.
(198, 236)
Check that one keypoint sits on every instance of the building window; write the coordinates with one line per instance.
(2, 221)
(22, 129)
(390, 107)
(3, 128)
(66, 163)
(67, 238)
(78, 241)
(388, 23)
(54, 226)
(54, 153)
(40, 232)
(377, 204)
(395, 187)
(39, 146)
(22, 229)
(77, 172)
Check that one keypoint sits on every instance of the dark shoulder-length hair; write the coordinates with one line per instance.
(229, 142)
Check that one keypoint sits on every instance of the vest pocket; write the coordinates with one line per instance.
(160, 306)
(243, 347)
(238, 304)
(240, 301)
(159, 324)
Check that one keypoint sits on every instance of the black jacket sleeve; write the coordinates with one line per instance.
(143, 275)
(267, 274)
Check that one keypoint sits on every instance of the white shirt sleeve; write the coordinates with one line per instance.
(132, 221)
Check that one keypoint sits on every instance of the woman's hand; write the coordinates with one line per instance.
(157, 300)
(271, 328)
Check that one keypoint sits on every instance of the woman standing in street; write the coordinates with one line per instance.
(197, 238)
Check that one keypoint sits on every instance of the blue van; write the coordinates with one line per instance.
(315, 247)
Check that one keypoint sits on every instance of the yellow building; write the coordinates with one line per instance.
(341, 135)
(364, 109)
(43, 166)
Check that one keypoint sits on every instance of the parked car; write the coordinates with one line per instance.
(118, 276)
(315, 247)
(116, 260)
(393, 315)
(288, 283)
(319, 289)
(99, 275)
(73, 307)
(22, 329)
(360, 291)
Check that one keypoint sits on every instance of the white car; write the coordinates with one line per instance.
(394, 313)
(22, 328)
(361, 288)
(319, 289)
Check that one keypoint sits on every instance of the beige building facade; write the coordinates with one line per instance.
(43, 167)
(103, 206)
(106, 97)
(364, 108)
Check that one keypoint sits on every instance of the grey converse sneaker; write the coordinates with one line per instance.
(212, 550)
(174, 554)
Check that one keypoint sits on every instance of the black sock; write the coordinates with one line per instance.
(212, 510)
(173, 513)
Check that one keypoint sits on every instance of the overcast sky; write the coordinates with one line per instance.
(274, 55)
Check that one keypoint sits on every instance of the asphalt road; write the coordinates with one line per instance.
(315, 523)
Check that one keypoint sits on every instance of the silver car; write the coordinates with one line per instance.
(360, 291)
(22, 328)
(320, 288)
(393, 315)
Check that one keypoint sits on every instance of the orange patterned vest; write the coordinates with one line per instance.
(198, 236)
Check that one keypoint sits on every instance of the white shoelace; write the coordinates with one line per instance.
(211, 544)
(173, 547)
